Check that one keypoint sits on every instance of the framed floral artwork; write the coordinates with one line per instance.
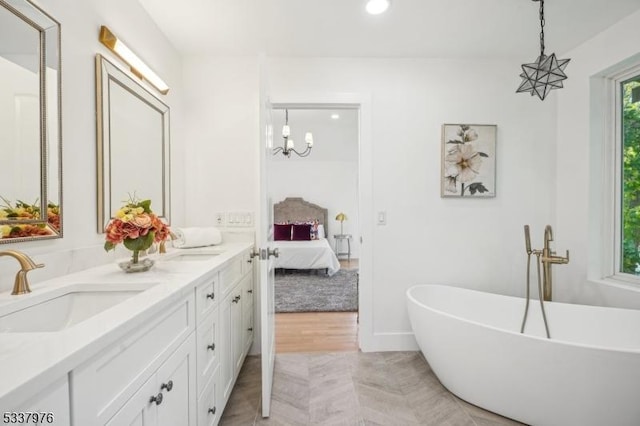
(468, 160)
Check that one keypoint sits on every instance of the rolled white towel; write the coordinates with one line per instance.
(196, 237)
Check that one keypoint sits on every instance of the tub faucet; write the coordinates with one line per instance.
(21, 284)
(549, 258)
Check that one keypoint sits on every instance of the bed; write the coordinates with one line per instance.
(313, 254)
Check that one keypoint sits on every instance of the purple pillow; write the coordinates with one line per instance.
(282, 232)
(301, 232)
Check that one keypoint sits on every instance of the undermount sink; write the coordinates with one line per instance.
(67, 307)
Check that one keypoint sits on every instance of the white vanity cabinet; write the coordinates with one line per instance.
(236, 313)
(167, 398)
(129, 383)
(49, 406)
(171, 362)
(223, 341)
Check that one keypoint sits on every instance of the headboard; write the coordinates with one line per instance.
(297, 209)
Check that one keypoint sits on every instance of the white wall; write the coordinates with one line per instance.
(329, 175)
(579, 152)
(81, 246)
(330, 184)
(474, 243)
(221, 134)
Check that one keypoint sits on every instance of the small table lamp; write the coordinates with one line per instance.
(341, 217)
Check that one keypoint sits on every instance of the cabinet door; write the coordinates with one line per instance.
(176, 379)
(247, 312)
(226, 360)
(140, 410)
(237, 337)
(51, 403)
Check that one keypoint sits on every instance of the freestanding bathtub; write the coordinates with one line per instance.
(588, 373)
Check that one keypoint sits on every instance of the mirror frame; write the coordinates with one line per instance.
(107, 73)
(49, 29)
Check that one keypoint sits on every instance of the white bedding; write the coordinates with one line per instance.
(314, 254)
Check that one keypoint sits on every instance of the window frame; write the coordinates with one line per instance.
(613, 226)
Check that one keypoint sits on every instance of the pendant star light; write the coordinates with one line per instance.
(288, 146)
(546, 73)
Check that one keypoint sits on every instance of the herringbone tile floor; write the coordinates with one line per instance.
(351, 388)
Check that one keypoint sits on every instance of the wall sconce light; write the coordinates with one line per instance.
(341, 217)
(288, 146)
(139, 68)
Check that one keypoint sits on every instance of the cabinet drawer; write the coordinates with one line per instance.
(208, 349)
(207, 294)
(230, 275)
(209, 412)
(104, 383)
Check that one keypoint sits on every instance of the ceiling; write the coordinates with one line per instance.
(493, 29)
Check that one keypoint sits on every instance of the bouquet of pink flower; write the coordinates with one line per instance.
(137, 227)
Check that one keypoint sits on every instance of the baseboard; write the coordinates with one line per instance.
(392, 341)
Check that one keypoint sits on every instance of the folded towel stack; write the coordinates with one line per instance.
(196, 237)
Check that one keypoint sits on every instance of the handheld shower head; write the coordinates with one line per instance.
(527, 239)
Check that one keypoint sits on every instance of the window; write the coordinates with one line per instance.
(628, 120)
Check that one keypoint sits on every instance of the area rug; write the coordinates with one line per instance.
(306, 291)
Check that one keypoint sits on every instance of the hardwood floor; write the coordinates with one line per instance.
(316, 332)
(349, 264)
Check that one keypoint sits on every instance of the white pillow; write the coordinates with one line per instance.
(321, 231)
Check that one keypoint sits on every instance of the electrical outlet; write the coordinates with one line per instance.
(382, 217)
(219, 218)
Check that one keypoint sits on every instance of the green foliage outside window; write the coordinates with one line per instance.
(630, 180)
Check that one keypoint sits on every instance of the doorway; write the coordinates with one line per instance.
(328, 176)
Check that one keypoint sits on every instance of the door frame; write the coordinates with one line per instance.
(361, 102)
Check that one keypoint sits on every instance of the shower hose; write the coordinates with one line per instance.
(540, 291)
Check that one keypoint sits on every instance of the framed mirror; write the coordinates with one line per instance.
(30, 123)
(133, 144)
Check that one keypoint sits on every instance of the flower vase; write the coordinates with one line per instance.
(135, 264)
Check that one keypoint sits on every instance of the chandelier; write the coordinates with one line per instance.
(288, 146)
(546, 73)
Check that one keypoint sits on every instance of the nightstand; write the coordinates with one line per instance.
(340, 240)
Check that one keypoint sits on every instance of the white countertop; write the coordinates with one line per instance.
(31, 361)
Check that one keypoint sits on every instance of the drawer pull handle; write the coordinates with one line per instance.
(250, 260)
(157, 399)
(250, 329)
(168, 386)
(212, 410)
(235, 299)
(249, 291)
(211, 295)
(211, 347)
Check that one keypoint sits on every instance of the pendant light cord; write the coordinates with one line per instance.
(542, 22)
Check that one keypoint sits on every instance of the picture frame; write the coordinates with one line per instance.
(468, 163)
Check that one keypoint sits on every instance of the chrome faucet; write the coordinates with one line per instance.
(21, 284)
(549, 258)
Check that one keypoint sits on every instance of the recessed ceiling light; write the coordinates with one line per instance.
(376, 7)
(335, 116)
